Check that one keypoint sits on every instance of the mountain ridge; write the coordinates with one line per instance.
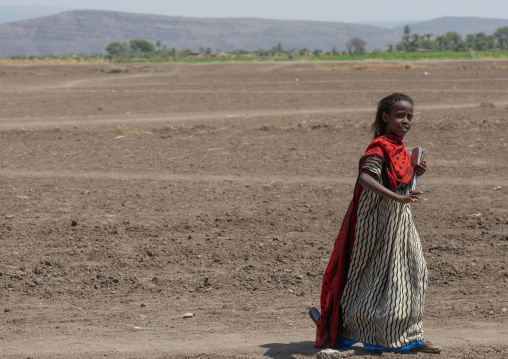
(90, 31)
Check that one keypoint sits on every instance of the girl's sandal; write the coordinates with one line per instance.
(314, 314)
(428, 347)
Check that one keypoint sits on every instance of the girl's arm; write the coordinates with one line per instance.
(368, 181)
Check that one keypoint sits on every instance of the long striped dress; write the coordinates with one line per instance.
(382, 302)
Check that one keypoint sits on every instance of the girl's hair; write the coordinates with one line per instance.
(385, 105)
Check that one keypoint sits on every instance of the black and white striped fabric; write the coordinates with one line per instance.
(382, 303)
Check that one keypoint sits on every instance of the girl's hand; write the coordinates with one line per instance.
(420, 168)
(409, 198)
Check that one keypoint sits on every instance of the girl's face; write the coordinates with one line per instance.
(398, 121)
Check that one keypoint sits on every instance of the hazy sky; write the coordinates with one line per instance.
(323, 10)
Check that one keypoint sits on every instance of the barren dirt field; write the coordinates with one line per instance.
(134, 194)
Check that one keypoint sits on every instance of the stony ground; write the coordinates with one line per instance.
(135, 194)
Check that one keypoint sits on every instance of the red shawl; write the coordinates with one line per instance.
(396, 174)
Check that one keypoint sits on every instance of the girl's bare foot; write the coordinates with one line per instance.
(428, 347)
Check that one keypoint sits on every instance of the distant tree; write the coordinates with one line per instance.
(334, 51)
(480, 41)
(405, 42)
(502, 37)
(158, 44)
(261, 53)
(173, 53)
(274, 51)
(470, 41)
(406, 39)
(317, 52)
(240, 52)
(356, 45)
(184, 53)
(415, 42)
(116, 49)
(428, 44)
(491, 42)
(440, 42)
(141, 46)
(279, 47)
(453, 40)
(461, 46)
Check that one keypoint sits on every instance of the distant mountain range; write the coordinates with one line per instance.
(90, 31)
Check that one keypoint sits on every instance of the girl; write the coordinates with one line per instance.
(374, 286)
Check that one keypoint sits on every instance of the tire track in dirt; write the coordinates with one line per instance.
(31, 122)
(93, 84)
(204, 177)
(97, 81)
(124, 90)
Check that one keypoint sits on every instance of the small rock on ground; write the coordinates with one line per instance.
(335, 354)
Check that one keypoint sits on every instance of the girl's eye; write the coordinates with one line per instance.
(409, 117)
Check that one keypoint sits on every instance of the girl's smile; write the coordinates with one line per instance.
(398, 121)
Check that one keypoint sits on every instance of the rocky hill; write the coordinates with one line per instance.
(90, 31)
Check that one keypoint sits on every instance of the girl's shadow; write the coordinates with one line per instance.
(281, 350)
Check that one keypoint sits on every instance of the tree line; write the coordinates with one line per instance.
(410, 42)
(452, 41)
(139, 48)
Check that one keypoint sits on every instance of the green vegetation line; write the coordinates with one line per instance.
(412, 47)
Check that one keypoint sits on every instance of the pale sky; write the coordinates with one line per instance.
(321, 10)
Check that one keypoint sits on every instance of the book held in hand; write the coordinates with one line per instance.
(417, 154)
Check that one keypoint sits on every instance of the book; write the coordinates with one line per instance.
(416, 154)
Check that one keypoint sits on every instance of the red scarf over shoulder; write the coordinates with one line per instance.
(396, 174)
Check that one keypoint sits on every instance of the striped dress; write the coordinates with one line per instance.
(382, 302)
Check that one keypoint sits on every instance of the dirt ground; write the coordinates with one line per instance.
(134, 194)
